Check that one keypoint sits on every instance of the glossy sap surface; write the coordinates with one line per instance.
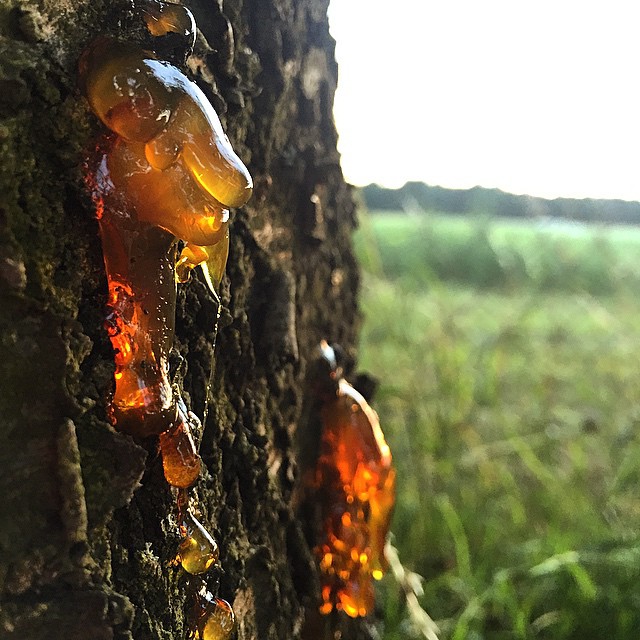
(170, 173)
(219, 621)
(198, 551)
(213, 618)
(150, 101)
(356, 485)
(180, 460)
(163, 18)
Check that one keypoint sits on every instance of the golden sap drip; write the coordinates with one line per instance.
(215, 619)
(180, 459)
(198, 551)
(355, 482)
(170, 174)
(211, 259)
(166, 173)
(164, 18)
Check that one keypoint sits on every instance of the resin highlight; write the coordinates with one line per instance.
(213, 618)
(198, 551)
(180, 459)
(168, 174)
(355, 483)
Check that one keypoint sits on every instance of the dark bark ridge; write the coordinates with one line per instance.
(87, 529)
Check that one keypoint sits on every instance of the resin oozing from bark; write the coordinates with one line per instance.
(211, 259)
(209, 618)
(198, 551)
(213, 618)
(165, 18)
(168, 174)
(180, 459)
(355, 482)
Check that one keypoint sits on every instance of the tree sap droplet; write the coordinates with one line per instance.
(207, 152)
(355, 482)
(198, 550)
(219, 621)
(211, 618)
(180, 459)
(140, 325)
(212, 259)
(217, 261)
(163, 18)
(191, 256)
(170, 174)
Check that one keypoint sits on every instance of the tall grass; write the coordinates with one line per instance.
(512, 410)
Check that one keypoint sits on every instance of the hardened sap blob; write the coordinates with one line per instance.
(165, 173)
(168, 174)
(219, 621)
(355, 482)
(212, 618)
(165, 18)
(180, 460)
(198, 551)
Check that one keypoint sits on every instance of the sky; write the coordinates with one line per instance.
(530, 96)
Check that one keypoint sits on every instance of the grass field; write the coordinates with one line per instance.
(548, 255)
(510, 387)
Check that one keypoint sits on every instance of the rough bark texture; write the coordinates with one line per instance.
(87, 523)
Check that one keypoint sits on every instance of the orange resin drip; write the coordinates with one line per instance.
(198, 551)
(163, 18)
(166, 173)
(180, 459)
(212, 259)
(355, 481)
(213, 618)
(219, 621)
(140, 327)
(169, 174)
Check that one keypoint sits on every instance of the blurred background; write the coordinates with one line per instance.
(496, 147)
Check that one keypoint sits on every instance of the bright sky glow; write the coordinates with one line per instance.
(531, 96)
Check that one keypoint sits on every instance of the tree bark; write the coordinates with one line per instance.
(87, 522)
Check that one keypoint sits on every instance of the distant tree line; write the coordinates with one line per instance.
(417, 196)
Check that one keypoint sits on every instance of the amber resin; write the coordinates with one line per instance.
(213, 618)
(210, 618)
(198, 551)
(355, 482)
(219, 621)
(211, 259)
(166, 173)
(180, 459)
(164, 18)
(169, 174)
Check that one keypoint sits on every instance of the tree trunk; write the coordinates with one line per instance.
(87, 525)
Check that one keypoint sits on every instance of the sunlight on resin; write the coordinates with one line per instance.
(355, 482)
(168, 174)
